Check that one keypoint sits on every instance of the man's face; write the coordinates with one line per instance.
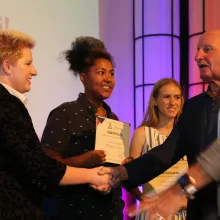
(21, 72)
(208, 56)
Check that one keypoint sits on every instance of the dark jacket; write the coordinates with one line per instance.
(190, 136)
(25, 172)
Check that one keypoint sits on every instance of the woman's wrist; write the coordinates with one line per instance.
(91, 176)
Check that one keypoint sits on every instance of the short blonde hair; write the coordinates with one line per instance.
(11, 44)
(151, 117)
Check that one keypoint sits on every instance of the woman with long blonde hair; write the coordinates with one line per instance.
(164, 108)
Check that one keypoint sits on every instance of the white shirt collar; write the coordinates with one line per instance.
(15, 93)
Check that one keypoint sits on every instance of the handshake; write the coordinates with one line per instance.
(106, 178)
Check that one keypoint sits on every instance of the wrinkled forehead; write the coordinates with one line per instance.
(211, 38)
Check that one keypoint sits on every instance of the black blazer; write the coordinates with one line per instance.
(25, 172)
(187, 138)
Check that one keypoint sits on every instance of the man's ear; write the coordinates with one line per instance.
(6, 66)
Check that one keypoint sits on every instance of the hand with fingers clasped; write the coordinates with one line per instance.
(116, 175)
(104, 188)
(114, 172)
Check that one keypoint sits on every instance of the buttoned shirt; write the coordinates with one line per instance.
(71, 130)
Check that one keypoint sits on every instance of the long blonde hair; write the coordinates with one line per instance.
(151, 117)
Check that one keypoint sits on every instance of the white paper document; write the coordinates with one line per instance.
(166, 179)
(113, 137)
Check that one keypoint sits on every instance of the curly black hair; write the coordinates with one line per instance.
(83, 53)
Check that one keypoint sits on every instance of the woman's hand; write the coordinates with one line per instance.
(93, 158)
(127, 160)
(89, 159)
(102, 182)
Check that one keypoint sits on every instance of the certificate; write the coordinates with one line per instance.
(166, 179)
(113, 137)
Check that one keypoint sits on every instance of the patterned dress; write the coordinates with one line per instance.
(163, 181)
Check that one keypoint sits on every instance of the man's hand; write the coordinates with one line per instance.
(117, 174)
(166, 204)
(99, 180)
(113, 172)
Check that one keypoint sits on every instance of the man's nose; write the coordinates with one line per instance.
(199, 55)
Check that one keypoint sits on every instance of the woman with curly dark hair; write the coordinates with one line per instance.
(69, 135)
